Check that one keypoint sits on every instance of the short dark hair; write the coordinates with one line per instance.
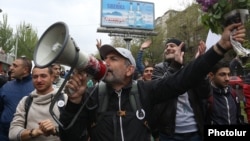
(49, 69)
(26, 62)
(149, 65)
(219, 65)
(56, 64)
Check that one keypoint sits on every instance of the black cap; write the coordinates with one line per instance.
(177, 42)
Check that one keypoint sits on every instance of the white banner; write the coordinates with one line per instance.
(212, 39)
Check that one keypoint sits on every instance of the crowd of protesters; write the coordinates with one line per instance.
(168, 101)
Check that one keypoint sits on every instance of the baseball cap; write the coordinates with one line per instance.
(105, 49)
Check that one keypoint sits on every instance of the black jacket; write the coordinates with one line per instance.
(150, 92)
(223, 107)
(164, 114)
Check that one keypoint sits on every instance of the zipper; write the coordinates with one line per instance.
(228, 111)
(120, 118)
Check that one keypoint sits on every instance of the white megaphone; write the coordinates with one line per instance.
(56, 46)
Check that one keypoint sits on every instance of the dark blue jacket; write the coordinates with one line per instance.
(10, 95)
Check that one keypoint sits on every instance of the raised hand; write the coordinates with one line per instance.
(179, 54)
(201, 49)
(98, 43)
(146, 44)
(238, 35)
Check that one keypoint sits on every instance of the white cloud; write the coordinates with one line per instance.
(81, 16)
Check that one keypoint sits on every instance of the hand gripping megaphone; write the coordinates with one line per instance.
(56, 46)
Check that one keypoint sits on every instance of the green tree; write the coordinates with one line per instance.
(23, 41)
(7, 41)
(26, 40)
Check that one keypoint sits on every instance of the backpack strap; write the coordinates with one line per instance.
(136, 102)
(237, 100)
(132, 97)
(27, 104)
(61, 102)
(103, 99)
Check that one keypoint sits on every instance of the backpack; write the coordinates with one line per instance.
(134, 100)
(240, 117)
(28, 102)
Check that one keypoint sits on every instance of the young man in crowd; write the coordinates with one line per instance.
(57, 73)
(223, 107)
(35, 123)
(147, 73)
(179, 118)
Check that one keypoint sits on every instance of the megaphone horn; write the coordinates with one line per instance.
(56, 46)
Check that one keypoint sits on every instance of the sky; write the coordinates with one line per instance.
(81, 16)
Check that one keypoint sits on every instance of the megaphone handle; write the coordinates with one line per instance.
(57, 95)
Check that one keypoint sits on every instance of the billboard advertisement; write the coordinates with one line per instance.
(127, 14)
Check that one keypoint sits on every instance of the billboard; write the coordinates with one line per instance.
(127, 14)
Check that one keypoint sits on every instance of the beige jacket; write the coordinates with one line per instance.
(38, 111)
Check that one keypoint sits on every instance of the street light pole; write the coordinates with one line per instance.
(16, 46)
